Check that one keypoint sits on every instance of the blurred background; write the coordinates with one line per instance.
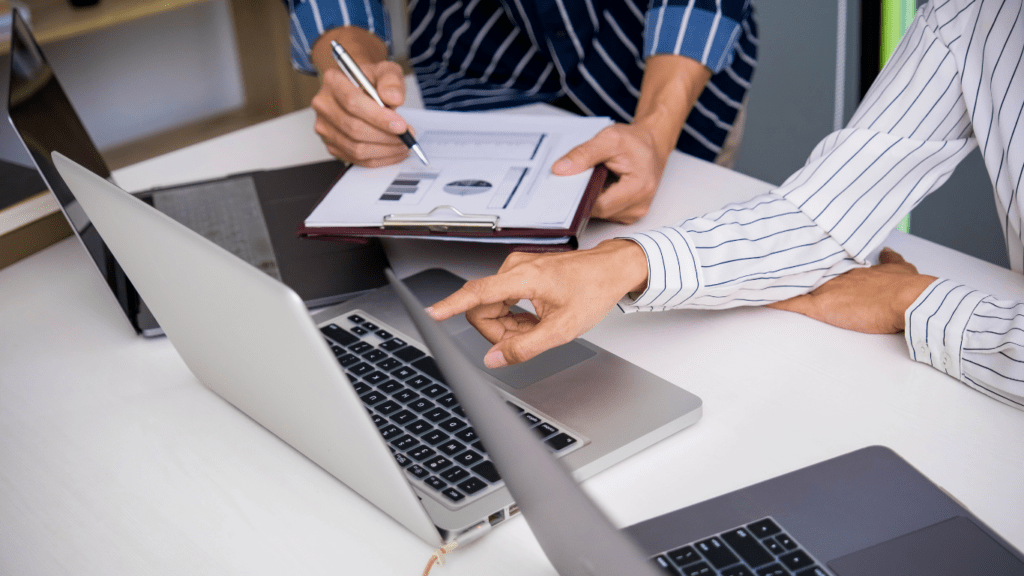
(151, 76)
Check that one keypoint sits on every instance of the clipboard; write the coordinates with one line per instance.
(446, 222)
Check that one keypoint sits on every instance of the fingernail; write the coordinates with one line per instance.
(392, 94)
(495, 359)
(563, 165)
(429, 310)
(397, 126)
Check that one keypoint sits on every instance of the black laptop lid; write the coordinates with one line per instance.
(44, 118)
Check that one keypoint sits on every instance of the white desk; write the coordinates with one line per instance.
(115, 460)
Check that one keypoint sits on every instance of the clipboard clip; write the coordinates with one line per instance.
(444, 218)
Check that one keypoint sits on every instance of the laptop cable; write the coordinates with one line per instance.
(439, 555)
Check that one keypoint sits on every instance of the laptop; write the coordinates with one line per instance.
(866, 513)
(356, 391)
(253, 215)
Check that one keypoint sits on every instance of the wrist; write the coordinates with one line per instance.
(629, 261)
(908, 293)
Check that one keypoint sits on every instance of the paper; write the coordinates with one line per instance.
(488, 167)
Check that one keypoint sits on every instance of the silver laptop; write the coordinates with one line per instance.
(356, 391)
(253, 215)
(866, 513)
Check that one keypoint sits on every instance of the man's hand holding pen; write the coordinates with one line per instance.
(348, 120)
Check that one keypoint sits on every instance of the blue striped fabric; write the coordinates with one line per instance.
(954, 82)
(483, 54)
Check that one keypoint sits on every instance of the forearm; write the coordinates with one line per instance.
(670, 87)
(309, 21)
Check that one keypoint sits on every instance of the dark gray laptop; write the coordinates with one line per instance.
(867, 513)
(357, 392)
(253, 215)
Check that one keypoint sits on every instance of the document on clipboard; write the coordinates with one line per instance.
(489, 180)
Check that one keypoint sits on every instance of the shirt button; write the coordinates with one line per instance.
(947, 361)
(922, 348)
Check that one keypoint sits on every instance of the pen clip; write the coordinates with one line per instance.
(444, 218)
(354, 73)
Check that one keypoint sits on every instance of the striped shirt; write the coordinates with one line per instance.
(482, 54)
(954, 82)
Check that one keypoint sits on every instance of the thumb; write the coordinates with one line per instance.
(525, 345)
(890, 256)
(586, 155)
(390, 83)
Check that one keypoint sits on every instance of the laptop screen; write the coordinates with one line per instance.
(44, 119)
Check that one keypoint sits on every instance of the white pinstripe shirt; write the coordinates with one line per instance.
(954, 82)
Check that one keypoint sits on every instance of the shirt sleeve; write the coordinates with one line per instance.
(903, 142)
(308, 19)
(971, 336)
(704, 31)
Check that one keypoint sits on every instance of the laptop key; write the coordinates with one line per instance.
(421, 405)
(389, 386)
(763, 528)
(531, 419)
(379, 420)
(403, 372)
(356, 319)
(370, 326)
(487, 471)
(434, 437)
(375, 377)
(459, 411)
(448, 400)
(436, 483)
(421, 453)
(405, 396)
(543, 430)
(361, 368)
(360, 388)
(773, 570)
(786, 541)
(338, 334)
(683, 556)
(404, 442)
(812, 571)
(374, 355)
(359, 331)
(773, 546)
(372, 398)
(796, 560)
(436, 463)
(383, 334)
(418, 427)
(417, 471)
(360, 347)
(452, 494)
(472, 486)
(454, 474)
(467, 435)
(716, 552)
(388, 364)
(409, 353)
(739, 571)
(437, 414)
(468, 458)
(560, 442)
(348, 360)
(429, 367)
(451, 447)
(388, 407)
(390, 431)
(393, 344)
(744, 543)
(419, 381)
(402, 460)
(403, 417)
(337, 350)
(665, 565)
(434, 390)
(698, 569)
(451, 425)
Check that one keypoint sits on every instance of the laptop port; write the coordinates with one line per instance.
(513, 510)
(496, 517)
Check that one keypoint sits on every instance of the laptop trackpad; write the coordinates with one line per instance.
(522, 375)
(952, 547)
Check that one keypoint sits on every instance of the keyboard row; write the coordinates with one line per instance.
(418, 415)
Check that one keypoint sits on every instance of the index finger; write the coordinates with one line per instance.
(359, 105)
(587, 155)
(488, 290)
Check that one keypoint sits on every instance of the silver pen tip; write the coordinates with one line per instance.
(419, 154)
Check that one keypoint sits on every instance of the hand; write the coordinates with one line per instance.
(872, 300)
(571, 293)
(633, 154)
(352, 125)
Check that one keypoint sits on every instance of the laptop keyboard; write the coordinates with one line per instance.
(417, 414)
(760, 548)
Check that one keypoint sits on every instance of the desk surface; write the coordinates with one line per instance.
(114, 459)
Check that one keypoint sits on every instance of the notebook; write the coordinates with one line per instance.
(254, 215)
(356, 391)
(865, 513)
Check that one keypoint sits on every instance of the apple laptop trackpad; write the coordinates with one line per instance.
(520, 376)
(952, 547)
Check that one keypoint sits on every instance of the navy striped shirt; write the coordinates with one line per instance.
(482, 54)
(954, 82)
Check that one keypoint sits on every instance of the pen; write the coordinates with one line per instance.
(351, 69)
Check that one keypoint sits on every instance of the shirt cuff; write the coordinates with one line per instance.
(672, 271)
(308, 21)
(936, 322)
(706, 36)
